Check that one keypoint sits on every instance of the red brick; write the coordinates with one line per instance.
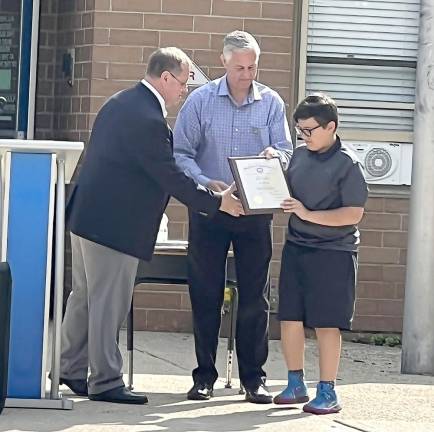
(177, 231)
(136, 5)
(262, 27)
(133, 37)
(377, 323)
(126, 71)
(277, 10)
(375, 205)
(381, 221)
(99, 70)
(275, 268)
(100, 36)
(381, 307)
(377, 255)
(376, 290)
(207, 58)
(108, 87)
(161, 287)
(118, 19)
(185, 302)
(277, 251)
(117, 54)
(404, 222)
(397, 205)
(275, 61)
(217, 42)
(99, 5)
(157, 300)
(185, 40)
(274, 78)
(371, 238)
(400, 291)
(217, 24)
(96, 102)
(393, 273)
(168, 22)
(189, 7)
(280, 219)
(395, 239)
(279, 235)
(172, 321)
(403, 256)
(177, 213)
(236, 8)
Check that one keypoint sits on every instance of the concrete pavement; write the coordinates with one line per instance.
(374, 395)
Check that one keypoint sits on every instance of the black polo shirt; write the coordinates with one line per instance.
(325, 181)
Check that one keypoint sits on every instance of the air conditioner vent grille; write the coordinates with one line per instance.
(378, 162)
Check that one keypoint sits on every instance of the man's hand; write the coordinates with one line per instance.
(230, 204)
(269, 152)
(291, 205)
(217, 185)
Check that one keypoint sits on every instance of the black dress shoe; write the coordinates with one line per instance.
(120, 395)
(78, 386)
(200, 392)
(258, 394)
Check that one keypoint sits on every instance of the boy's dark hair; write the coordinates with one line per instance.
(319, 106)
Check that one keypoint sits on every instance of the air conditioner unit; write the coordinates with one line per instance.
(384, 162)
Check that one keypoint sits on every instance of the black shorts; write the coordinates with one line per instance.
(317, 286)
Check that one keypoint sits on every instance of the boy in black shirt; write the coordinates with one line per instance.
(319, 260)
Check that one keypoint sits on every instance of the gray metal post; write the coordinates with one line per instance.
(58, 277)
(418, 330)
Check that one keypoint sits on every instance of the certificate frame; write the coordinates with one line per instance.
(244, 193)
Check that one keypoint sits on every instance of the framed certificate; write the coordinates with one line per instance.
(260, 182)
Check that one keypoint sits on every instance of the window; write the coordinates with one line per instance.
(364, 53)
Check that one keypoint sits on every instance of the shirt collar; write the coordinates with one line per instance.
(157, 95)
(254, 94)
(329, 152)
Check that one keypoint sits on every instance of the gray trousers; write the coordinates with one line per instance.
(102, 287)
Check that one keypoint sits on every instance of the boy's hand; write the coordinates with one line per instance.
(291, 205)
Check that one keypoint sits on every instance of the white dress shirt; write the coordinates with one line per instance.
(158, 96)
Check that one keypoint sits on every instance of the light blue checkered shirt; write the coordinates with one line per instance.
(210, 127)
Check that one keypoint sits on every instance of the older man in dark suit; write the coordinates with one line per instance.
(126, 178)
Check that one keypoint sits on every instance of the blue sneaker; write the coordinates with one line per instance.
(295, 392)
(325, 402)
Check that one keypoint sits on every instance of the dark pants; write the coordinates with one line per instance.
(209, 242)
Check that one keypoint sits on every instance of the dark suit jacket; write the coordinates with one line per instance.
(127, 175)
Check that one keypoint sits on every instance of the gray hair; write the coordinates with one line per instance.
(237, 41)
(168, 59)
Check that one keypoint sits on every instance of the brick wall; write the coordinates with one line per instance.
(381, 277)
(44, 112)
(381, 280)
(72, 102)
(113, 39)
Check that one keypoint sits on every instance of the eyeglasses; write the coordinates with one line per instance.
(305, 131)
(182, 84)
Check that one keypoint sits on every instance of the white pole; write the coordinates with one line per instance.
(418, 328)
(58, 277)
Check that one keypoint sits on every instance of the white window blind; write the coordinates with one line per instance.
(364, 53)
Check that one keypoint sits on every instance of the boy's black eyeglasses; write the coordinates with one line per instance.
(305, 131)
(182, 84)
